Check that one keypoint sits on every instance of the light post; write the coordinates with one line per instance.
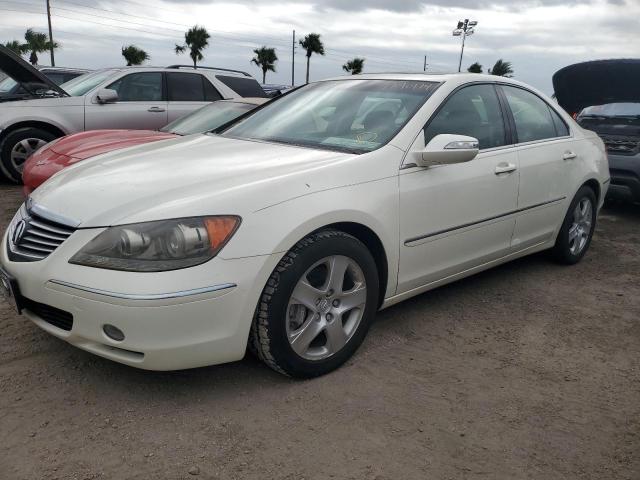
(464, 29)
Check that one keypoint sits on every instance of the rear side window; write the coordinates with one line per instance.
(561, 128)
(211, 93)
(185, 87)
(243, 86)
(531, 114)
(473, 111)
(139, 87)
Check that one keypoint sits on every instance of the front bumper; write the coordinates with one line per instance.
(625, 177)
(171, 320)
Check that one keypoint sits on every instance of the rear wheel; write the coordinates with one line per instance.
(577, 229)
(17, 147)
(317, 306)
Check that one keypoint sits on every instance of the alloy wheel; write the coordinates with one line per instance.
(23, 149)
(326, 307)
(581, 227)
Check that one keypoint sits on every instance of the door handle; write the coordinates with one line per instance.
(569, 155)
(156, 109)
(505, 168)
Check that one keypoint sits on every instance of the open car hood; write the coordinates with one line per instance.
(598, 82)
(23, 73)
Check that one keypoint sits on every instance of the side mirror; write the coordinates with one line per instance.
(447, 149)
(106, 95)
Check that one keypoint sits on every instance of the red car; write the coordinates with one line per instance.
(65, 151)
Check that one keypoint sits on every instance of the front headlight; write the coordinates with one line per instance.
(158, 246)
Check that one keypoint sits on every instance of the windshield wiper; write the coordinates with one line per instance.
(633, 117)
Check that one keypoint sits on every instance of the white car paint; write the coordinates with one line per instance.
(282, 193)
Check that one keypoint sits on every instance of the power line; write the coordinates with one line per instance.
(334, 53)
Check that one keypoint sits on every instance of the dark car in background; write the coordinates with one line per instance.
(604, 96)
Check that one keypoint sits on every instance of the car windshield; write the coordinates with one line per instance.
(354, 116)
(82, 84)
(612, 110)
(208, 118)
(7, 85)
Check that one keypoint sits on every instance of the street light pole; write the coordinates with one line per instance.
(464, 29)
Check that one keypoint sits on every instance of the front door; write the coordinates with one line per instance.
(456, 217)
(140, 106)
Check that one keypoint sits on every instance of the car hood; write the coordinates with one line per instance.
(187, 176)
(83, 145)
(30, 78)
(598, 82)
(10, 109)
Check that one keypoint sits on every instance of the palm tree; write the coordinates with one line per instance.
(475, 68)
(196, 39)
(36, 43)
(265, 59)
(354, 66)
(134, 55)
(312, 44)
(15, 46)
(502, 69)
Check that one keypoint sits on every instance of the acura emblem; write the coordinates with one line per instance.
(18, 231)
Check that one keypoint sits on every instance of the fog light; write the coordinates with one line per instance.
(114, 333)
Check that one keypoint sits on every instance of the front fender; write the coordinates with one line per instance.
(279, 227)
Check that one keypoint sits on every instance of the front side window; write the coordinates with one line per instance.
(139, 87)
(355, 116)
(531, 114)
(473, 111)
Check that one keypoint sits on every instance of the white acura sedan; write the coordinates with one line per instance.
(288, 230)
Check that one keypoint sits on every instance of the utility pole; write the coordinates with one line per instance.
(464, 30)
(293, 60)
(53, 61)
(424, 69)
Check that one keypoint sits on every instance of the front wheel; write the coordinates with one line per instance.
(577, 229)
(317, 305)
(17, 147)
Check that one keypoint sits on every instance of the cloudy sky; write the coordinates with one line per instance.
(537, 36)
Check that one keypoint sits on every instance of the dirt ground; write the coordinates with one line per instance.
(530, 370)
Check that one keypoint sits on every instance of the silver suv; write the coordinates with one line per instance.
(124, 98)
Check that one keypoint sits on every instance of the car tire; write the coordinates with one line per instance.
(577, 228)
(310, 319)
(16, 148)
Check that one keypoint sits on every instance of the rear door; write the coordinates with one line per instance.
(547, 156)
(187, 92)
(141, 104)
(455, 217)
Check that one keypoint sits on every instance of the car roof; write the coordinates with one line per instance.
(174, 68)
(458, 78)
(64, 69)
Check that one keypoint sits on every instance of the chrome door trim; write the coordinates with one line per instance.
(418, 238)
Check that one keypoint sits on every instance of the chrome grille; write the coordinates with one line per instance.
(33, 236)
